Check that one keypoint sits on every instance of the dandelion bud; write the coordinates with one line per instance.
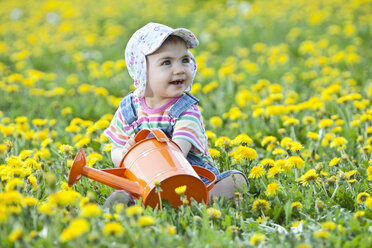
(319, 204)
(197, 218)
(50, 179)
(180, 190)
(66, 148)
(331, 180)
(282, 130)
(185, 201)
(9, 145)
(342, 175)
(91, 196)
(237, 194)
(319, 166)
(344, 157)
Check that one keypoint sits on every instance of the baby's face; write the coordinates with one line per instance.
(169, 72)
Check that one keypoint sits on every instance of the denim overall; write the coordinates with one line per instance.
(186, 101)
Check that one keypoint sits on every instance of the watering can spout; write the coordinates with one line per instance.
(114, 178)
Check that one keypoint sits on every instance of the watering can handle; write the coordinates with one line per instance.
(203, 172)
(158, 134)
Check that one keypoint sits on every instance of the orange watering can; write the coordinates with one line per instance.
(150, 161)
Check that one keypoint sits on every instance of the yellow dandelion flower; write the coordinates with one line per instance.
(297, 205)
(260, 219)
(257, 238)
(359, 214)
(362, 197)
(7, 130)
(39, 122)
(64, 198)
(146, 221)
(171, 230)
(113, 228)
(309, 177)
(308, 120)
(283, 165)
(245, 152)
(261, 205)
(13, 183)
(322, 234)
(285, 141)
(66, 111)
(295, 146)
(328, 225)
(267, 162)
(268, 140)
(272, 188)
(273, 171)
(334, 161)
(214, 153)
(30, 201)
(279, 151)
(13, 161)
(223, 141)
(304, 245)
(242, 139)
(44, 153)
(291, 121)
(133, 210)
(72, 128)
(296, 162)
(3, 149)
(257, 172)
(25, 154)
(312, 135)
(325, 123)
(83, 142)
(65, 148)
(76, 228)
(33, 181)
(90, 210)
(47, 208)
(215, 213)
(16, 234)
(369, 173)
(211, 135)
(180, 190)
(101, 124)
(369, 202)
(215, 121)
(32, 163)
(339, 142)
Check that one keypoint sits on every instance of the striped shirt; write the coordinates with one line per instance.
(189, 126)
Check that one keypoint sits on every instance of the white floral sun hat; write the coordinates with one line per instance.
(147, 40)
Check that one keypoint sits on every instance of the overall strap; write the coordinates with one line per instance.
(128, 110)
(185, 102)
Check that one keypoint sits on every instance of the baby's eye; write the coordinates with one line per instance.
(186, 60)
(166, 62)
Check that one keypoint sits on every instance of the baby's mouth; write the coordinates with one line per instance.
(177, 82)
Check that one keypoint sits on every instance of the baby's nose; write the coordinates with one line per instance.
(178, 69)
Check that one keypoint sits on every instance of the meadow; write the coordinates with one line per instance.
(285, 90)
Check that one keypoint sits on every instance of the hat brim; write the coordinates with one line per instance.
(187, 36)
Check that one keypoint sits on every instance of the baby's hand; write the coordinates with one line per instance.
(131, 142)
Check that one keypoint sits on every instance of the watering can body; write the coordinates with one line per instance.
(151, 161)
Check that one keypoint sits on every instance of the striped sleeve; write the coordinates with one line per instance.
(116, 132)
(189, 127)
